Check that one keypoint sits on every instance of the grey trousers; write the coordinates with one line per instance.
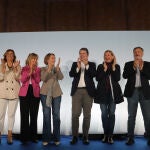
(81, 100)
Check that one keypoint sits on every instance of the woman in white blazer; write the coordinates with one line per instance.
(9, 85)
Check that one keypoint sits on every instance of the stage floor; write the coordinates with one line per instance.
(140, 144)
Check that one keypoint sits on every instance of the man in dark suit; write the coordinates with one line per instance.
(82, 92)
(137, 89)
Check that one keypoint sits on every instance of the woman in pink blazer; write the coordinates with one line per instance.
(29, 99)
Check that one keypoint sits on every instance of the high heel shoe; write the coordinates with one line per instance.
(104, 140)
(9, 137)
(0, 137)
(9, 140)
(110, 140)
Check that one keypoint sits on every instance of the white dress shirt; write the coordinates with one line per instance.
(138, 78)
(82, 81)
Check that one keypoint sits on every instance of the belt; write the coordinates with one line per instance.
(81, 87)
(138, 88)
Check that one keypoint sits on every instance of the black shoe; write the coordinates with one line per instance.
(74, 140)
(104, 139)
(148, 142)
(35, 141)
(130, 141)
(85, 141)
(24, 143)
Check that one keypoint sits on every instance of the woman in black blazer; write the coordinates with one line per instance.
(108, 93)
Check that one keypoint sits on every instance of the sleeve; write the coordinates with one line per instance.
(24, 75)
(116, 73)
(100, 73)
(146, 70)
(91, 71)
(128, 70)
(1, 74)
(45, 75)
(36, 75)
(17, 74)
(60, 76)
(73, 72)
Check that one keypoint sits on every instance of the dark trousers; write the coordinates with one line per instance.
(108, 115)
(133, 101)
(29, 106)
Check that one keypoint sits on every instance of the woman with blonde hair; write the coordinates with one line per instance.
(29, 98)
(108, 93)
(9, 89)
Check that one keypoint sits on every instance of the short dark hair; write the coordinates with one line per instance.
(84, 49)
(138, 47)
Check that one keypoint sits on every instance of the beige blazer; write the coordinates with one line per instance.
(48, 79)
(9, 83)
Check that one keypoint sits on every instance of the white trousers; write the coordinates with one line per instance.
(11, 107)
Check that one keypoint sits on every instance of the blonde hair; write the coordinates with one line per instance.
(31, 56)
(109, 51)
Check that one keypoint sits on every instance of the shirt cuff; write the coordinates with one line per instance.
(77, 69)
(87, 66)
(1, 76)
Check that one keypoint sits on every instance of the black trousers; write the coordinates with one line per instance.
(29, 106)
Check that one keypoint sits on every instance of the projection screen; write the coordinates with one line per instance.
(66, 45)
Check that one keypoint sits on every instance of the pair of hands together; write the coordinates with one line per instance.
(85, 62)
(113, 65)
(51, 66)
(14, 65)
(138, 64)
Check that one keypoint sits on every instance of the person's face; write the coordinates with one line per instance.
(10, 56)
(138, 54)
(33, 61)
(51, 60)
(108, 57)
(83, 55)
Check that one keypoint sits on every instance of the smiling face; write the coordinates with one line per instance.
(51, 60)
(33, 61)
(83, 55)
(9, 56)
(108, 57)
(138, 53)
